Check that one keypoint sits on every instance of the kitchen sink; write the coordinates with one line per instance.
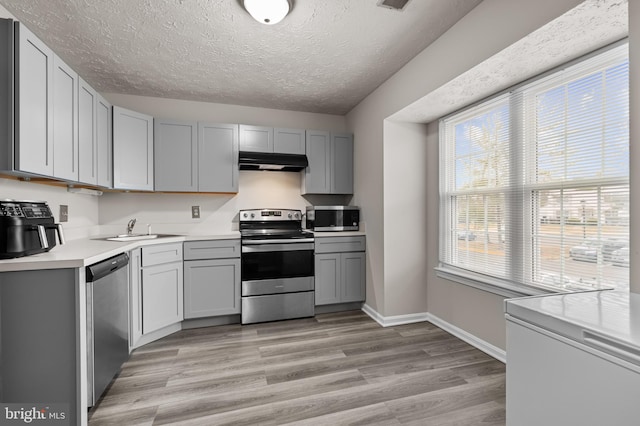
(136, 237)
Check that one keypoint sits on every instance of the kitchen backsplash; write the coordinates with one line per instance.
(167, 212)
(83, 209)
(171, 213)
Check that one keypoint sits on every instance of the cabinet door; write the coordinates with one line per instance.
(327, 278)
(217, 157)
(353, 277)
(132, 150)
(87, 99)
(104, 144)
(65, 130)
(256, 138)
(341, 164)
(162, 296)
(175, 155)
(34, 104)
(317, 176)
(289, 141)
(135, 296)
(211, 287)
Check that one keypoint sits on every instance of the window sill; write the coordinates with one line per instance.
(491, 285)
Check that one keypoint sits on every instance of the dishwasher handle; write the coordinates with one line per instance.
(106, 267)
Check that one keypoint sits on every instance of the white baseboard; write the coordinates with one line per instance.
(394, 320)
(484, 346)
(474, 341)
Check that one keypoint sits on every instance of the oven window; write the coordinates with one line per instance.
(277, 264)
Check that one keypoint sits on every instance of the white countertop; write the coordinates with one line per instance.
(87, 251)
(614, 314)
(84, 252)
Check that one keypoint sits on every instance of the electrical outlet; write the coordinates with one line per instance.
(64, 213)
(195, 212)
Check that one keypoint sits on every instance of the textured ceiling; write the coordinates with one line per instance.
(590, 25)
(326, 56)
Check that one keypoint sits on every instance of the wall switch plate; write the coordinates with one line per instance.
(195, 212)
(64, 213)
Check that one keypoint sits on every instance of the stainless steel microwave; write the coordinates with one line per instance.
(333, 218)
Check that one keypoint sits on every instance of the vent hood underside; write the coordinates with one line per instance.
(272, 161)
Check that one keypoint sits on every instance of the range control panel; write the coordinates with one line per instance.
(270, 215)
(23, 209)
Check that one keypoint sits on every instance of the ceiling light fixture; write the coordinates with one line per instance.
(267, 12)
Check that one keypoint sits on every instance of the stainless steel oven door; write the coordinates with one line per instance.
(263, 260)
(277, 280)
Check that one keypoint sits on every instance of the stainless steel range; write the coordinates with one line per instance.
(277, 266)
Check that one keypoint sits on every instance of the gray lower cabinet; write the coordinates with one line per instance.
(330, 169)
(340, 273)
(161, 286)
(132, 150)
(211, 278)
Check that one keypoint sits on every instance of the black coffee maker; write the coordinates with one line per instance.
(26, 228)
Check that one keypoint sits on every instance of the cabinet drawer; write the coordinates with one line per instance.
(161, 253)
(213, 249)
(339, 244)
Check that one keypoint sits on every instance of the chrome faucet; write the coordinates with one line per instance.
(130, 226)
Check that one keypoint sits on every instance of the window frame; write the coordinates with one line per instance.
(518, 218)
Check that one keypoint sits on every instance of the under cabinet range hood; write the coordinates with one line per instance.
(272, 161)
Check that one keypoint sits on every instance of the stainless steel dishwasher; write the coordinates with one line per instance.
(107, 322)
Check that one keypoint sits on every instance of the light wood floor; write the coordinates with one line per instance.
(335, 369)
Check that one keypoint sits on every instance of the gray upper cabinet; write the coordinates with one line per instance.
(176, 155)
(87, 98)
(256, 138)
(341, 163)
(218, 157)
(289, 141)
(34, 104)
(104, 142)
(51, 113)
(65, 130)
(268, 139)
(330, 169)
(132, 150)
(195, 157)
(317, 176)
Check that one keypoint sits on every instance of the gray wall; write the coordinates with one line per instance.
(379, 174)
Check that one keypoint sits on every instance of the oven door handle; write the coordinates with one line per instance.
(263, 248)
(279, 241)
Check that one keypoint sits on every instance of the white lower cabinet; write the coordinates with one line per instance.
(156, 298)
(340, 273)
(161, 296)
(211, 278)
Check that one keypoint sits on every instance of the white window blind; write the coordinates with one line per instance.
(534, 184)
